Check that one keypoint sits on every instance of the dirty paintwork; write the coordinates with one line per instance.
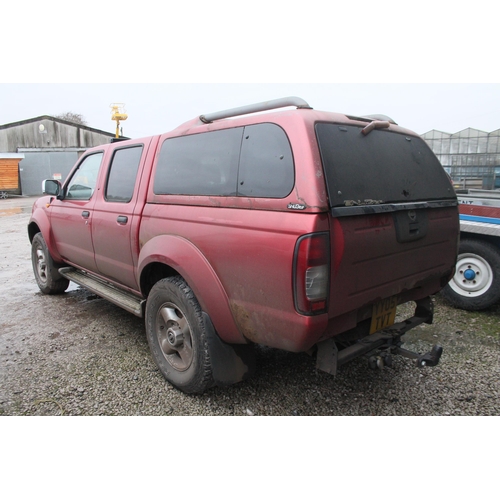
(267, 255)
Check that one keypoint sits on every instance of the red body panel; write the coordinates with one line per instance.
(374, 265)
(72, 231)
(250, 253)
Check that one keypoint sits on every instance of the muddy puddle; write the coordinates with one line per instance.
(16, 206)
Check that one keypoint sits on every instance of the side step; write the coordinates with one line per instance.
(106, 290)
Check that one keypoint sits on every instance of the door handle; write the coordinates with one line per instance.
(122, 219)
(85, 214)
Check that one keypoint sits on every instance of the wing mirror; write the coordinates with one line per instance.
(51, 187)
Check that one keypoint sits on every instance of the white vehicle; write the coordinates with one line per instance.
(476, 283)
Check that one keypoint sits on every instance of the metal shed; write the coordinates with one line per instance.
(48, 148)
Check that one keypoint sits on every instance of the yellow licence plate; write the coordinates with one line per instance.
(383, 314)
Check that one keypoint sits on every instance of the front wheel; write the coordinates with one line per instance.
(176, 335)
(47, 276)
(476, 283)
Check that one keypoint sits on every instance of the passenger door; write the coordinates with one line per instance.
(71, 217)
(117, 215)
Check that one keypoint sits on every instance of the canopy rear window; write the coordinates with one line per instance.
(378, 168)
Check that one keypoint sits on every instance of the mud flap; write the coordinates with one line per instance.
(230, 363)
(327, 357)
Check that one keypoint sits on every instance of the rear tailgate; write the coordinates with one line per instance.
(394, 217)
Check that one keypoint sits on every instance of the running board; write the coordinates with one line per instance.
(106, 290)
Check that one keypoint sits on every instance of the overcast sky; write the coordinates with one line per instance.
(157, 108)
(440, 60)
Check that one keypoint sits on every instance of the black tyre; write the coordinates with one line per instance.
(476, 283)
(177, 337)
(46, 274)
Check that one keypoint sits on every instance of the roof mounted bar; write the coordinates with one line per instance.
(383, 118)
(255, 108)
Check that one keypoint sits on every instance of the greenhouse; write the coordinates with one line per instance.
(471, 156)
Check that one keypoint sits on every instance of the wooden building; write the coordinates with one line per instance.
(9, 174)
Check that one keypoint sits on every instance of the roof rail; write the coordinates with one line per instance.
(380, 117)
(254, 108)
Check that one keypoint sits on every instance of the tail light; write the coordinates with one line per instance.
(311, 273)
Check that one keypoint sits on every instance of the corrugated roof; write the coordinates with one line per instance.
(59, 120)
(8, 156)
(460, 131)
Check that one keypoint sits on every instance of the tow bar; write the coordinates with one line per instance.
(430, 358)
(387, 342)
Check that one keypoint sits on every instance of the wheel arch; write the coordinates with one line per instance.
(169, 255)
(39, 223)
(494, 240)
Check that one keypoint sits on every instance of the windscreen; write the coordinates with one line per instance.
(380, 167)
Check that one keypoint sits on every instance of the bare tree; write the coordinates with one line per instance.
(72, 117)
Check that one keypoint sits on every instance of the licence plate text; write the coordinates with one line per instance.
(383, 314)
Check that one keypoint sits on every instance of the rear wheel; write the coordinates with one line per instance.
(476, 283)
(47, 276)
(176, 335)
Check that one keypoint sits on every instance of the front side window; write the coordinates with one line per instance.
(122, 174)
(82, 184)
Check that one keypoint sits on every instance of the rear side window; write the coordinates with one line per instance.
(266, 163)
(381, 167)
(122, 174)
(253, 161)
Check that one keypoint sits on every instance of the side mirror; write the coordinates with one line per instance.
(51, 187)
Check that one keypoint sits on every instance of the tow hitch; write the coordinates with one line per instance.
(430, 358)
(386, 343)
(384, 358)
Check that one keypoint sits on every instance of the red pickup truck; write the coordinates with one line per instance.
(296, 229)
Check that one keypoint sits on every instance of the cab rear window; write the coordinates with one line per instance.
(378, 168)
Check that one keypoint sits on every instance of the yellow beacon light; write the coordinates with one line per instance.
(118, 114)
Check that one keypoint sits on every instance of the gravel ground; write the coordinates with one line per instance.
(77, 354)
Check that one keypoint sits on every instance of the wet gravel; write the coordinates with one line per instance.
(77, 354)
